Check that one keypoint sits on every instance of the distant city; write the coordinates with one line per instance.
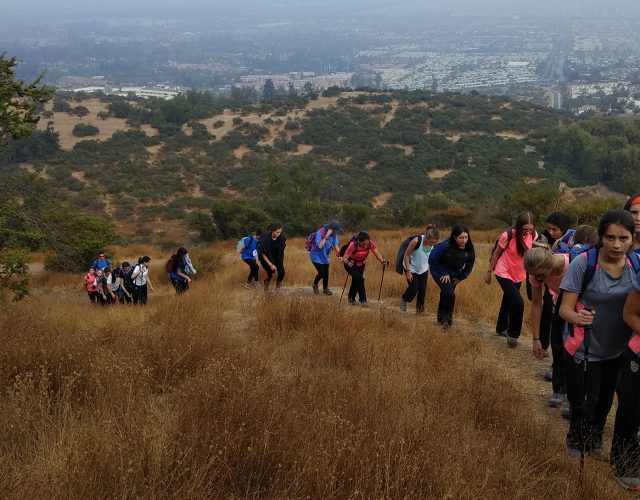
(582, 65)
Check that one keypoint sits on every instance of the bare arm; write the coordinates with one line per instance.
(631, 312)
(407, 257)
(568, 312)
(377, 254)
(492, 263)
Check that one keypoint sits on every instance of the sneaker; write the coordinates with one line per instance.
(266, 285)
(352, 302)
(248, 286)
(548, 375)
(557, 399)
(403, 305)
(512, 341)
(566, 412)
(573, 446)
(629, 483)
(502, 333)
(573, 452)
(315, 289)
(327, 291)
(256, 284)
(599, 454)
(545, 353)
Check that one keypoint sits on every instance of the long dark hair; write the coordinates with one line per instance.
(620, 217)
(559, 219)
(178, 256)
(522, 219)
(454, 259)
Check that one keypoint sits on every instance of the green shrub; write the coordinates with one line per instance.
(85, 130)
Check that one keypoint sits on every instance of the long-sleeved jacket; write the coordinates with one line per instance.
(264, 248)
(442, 262)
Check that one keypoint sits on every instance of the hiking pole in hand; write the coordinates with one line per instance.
(587, 343)
(343, 289)
(385, 263)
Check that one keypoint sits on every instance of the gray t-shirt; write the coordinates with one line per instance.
(606, 296)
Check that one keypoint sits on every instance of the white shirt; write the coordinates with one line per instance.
(140, 279)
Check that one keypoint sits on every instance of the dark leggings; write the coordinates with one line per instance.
(625, 452)
(418, 286)
(558, 381)
(140, 295)
(95, 297)
(447, 302)
(323, 274)
(254, 270)
(357, 283)
(546, 318)
(586, 421)
(181, 286)
(279, 270)
(511, 308)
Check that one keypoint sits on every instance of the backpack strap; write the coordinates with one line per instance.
(592, 263)
(634, 258)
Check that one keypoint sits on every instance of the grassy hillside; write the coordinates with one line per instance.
(226, 392)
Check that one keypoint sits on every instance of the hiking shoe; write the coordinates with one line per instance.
(403, 305)
(629, 483)
(599, 454)
(364, 304)
(352, 302)
(502, 333)
(512, 341)
(256, 284)
(327, 291)
(573, 452)
(566, 412)
(315, 289)
(248, 286)
(548, 375)
(557, 399)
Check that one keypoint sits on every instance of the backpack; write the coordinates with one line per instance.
(566, 242)
(243, 242)
(590, 271)
(169, 267)
(509, 231)
(310, 242)
(403, 248)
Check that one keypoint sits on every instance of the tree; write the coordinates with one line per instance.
(235, 218)
(18, 102)
(268, 91)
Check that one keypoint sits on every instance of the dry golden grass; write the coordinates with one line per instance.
(225, 392)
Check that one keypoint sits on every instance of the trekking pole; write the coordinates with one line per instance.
(384, 266)
(343, 289)
(587, 343)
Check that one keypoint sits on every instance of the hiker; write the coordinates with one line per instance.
(325, 239)
(110, 281)
(546, 270)
(247, 249)
(101, 262)
(179, 271)
(633, 207)
(353, 257)
(271, 254)
(451, 261)
(126, 282)
(625, 450)
(415, 263)
(91, 284)
(595, 288)
(507, 264)
(101, 296)
(141, 281)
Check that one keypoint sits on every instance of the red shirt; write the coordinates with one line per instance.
(359, 254)
(91, 282)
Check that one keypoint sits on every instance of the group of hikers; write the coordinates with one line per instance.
(584, 287)
(127, 284)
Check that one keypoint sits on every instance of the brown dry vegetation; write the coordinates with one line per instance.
(225, 392)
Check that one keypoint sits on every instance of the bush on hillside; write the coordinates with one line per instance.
(235, 218)
(85, 130)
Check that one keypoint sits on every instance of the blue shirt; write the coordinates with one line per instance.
(440, 265)
(182, 267)
(249, 252)
(321, 255)
(96, 264)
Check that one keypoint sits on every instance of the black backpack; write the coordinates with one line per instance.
(403, 248)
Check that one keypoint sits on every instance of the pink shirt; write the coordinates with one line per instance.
(553, 282)
(91, 282)
(510, 265)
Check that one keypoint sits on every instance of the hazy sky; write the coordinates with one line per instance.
(185, 9)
